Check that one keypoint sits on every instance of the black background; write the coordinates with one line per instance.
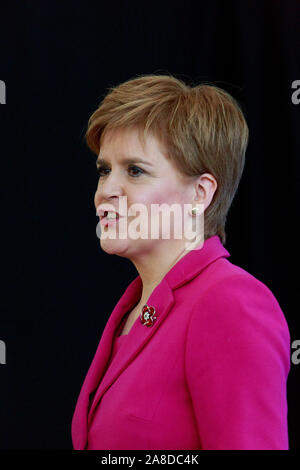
(58, 288)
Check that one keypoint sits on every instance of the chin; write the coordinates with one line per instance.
(130, 249)
(114, 247)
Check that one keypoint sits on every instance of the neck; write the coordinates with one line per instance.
(155, 264)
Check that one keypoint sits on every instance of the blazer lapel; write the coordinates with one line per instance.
(162, 300)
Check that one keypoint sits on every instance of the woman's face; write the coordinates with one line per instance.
(153, 181)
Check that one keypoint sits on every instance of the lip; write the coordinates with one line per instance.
(100, 211)
(105, 222)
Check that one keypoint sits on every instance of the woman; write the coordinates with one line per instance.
(195, 354)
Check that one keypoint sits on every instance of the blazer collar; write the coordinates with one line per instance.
(195, 261)
(162, 299)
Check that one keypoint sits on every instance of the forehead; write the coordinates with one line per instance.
(128, 143)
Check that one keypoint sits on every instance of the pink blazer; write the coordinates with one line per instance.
(210, 373)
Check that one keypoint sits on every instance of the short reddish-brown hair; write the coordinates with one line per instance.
(202, 128)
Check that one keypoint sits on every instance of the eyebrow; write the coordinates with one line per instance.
(126, 161)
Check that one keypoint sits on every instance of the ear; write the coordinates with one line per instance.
(205, 187)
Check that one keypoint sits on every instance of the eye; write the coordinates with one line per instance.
(136, 168)
(102, 170)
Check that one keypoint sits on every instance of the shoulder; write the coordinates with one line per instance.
(240, 315)
(226, 289)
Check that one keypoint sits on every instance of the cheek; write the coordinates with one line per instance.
(163, 198)
(160, 195)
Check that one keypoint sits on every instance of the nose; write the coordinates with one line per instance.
(109, 188)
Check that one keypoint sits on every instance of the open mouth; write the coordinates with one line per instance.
(110, 220)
